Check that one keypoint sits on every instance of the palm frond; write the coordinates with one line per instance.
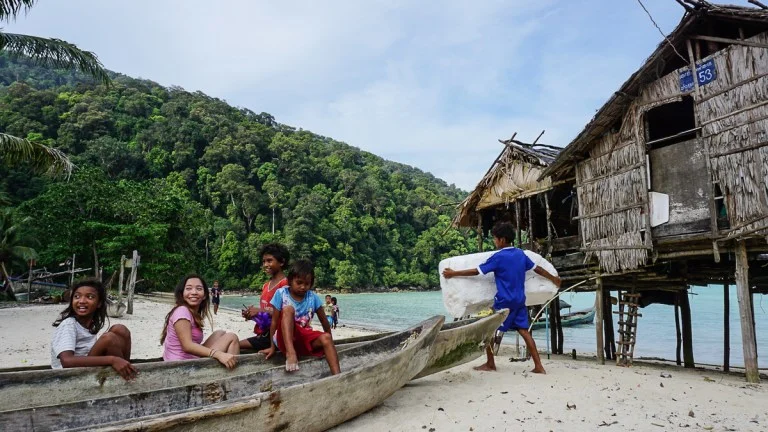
(42, 158)
(53, 53)
(9, 9)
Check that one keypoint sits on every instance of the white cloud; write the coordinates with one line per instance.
(431, 84)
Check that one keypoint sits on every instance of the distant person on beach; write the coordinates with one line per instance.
(336, 313)
(508, 265)
(274, 259)
(328, 308)
(216, 297)
(182, 336)
(294, 306)
(75, 343)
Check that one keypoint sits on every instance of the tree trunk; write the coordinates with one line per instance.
(95, 261)
(8, 284)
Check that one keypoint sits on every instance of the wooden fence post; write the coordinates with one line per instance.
(132, 281)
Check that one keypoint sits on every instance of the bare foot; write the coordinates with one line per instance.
(485, 367)
(291, 363)
(539, 370)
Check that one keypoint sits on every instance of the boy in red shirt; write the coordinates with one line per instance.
(274, 258)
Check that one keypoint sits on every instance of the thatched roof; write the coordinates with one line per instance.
(513, 175)
(663, 58)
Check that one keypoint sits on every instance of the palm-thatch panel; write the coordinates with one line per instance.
(631, 255)
(514, 175)
(612, 193)
(612, 225)
(519, 180)
(661, 91)
(626, 154)
(733, 111)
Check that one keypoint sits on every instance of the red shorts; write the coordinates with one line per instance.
(302, 341)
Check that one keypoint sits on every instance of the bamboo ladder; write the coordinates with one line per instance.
(627, 328)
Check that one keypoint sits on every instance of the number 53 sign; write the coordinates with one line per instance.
(705, 73)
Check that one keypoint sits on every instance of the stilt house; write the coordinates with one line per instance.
(668, 182)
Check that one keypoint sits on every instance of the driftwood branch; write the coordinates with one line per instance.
(758, 4)
(537, 138)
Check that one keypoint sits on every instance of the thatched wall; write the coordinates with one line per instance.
(612, 196)
(733, 114)
(733, 111)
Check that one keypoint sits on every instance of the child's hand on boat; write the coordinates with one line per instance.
(269, 352)
(124, 368)
(228, 360)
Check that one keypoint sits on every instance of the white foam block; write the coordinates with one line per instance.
(464, 296)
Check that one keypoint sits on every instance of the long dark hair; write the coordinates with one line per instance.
(99, 317)
(200, 315)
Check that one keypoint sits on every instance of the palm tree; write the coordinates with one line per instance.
(13, 248)
(53, 53)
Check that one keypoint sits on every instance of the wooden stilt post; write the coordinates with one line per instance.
(517, 224)
(685, 314)
(747, 325)
(559, 329)
(553, 325)
(531, 244)
(548, 252)
(479, 232)
(726, 327)
(677, 331)
(599, 320)
(610, 346)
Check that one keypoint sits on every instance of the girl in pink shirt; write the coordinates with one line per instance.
(182, 337)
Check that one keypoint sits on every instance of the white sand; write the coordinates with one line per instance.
(606, 398)
(26, 332)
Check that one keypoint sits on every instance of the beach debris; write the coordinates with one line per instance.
(666, 375)
(532, 403)
(708, 427)
(605, 423)
(708, 379)
(570, 406)
(690, 413)
(659, 425)
(440, 409)
(431, 429)
(504, 392)
(661, 384)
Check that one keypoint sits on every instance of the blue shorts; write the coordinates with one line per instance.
(330, 320)
(517, 318)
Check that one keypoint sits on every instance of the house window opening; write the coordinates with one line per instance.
(671, 123)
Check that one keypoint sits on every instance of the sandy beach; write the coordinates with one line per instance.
(26, 331)
(575, 395)
(601, 398)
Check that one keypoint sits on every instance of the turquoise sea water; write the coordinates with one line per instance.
(656, 328)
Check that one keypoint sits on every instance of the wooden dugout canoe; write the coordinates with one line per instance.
(462, 341)
(457, 343)
(268, 399)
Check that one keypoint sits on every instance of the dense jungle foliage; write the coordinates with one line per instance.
(193, 183)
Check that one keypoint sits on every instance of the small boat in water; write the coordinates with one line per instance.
(185, 397)
(586, 316)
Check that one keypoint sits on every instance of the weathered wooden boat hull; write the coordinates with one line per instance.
(132, 411)
(576, 318)
(40, 385)
(461, 342)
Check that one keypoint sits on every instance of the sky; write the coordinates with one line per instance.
(432, 84)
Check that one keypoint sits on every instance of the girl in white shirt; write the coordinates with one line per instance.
(75, 343)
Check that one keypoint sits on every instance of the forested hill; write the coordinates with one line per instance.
(192, 184)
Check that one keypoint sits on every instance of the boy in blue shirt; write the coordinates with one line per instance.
(294, 307)
(508, 265)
